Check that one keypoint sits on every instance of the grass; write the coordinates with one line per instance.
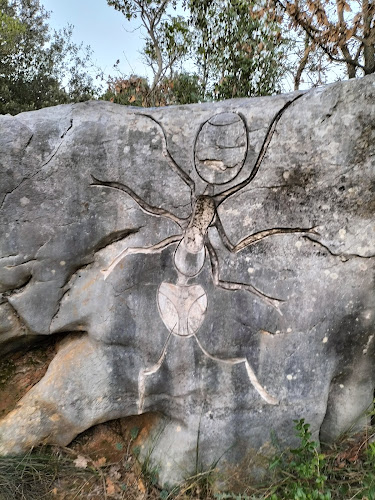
(344, 471)
(32, 476)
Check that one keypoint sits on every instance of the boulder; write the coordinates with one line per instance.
(213, 263)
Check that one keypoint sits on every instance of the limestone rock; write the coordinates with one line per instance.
(213, 263)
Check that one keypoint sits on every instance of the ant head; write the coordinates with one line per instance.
(220, 148)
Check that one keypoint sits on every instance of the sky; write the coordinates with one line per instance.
(108, 32)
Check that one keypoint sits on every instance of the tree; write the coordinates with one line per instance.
(238, 54)
(38, 68)
(10, 29)
(229, 52)
(343, 30)
(166, 39)
(133, 90)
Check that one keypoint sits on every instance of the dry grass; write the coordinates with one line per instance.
(345, 471)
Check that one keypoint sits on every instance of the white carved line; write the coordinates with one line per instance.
(146, 373)
(159, 247)
(253, 379)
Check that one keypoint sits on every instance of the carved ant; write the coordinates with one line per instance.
(182, 306)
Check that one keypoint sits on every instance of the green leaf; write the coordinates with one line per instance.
(134, 431)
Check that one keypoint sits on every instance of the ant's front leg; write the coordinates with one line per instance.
(233, 286)
(159, 247)
(254, 238)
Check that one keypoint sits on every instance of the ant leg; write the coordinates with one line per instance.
(148, 209)
(232, 286)
(174, 166)
(254, 238)
(159, 247)
(250, 372)
(147, 372)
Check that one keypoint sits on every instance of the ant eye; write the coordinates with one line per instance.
(220, 148)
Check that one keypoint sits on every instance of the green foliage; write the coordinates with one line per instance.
(238, 54)
(38, 67)
(182, 88)
(134, 431)
(344, 471)
(229, 51)
(368, 480)
(306, 470)
(10, 29)
(186, 89)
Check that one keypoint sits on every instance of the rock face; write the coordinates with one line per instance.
(211, 262)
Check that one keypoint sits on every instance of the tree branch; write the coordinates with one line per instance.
(309, 29)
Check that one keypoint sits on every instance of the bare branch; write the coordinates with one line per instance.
(315, 35)
(302, 63)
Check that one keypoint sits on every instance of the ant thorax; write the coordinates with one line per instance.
(203, 214)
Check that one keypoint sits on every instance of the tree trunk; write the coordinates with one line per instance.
(302, 64)
(368, 9)
(351, 68)
(369, 57)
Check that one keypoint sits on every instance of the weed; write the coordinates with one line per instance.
(344, 472)
(149, 470)
(305, 472)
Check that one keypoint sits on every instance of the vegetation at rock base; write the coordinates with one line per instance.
(39, 67)
(103, 465)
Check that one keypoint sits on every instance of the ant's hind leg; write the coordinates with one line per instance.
(250, 372)
(148, 372)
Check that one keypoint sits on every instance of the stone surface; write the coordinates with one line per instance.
(166, 303)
